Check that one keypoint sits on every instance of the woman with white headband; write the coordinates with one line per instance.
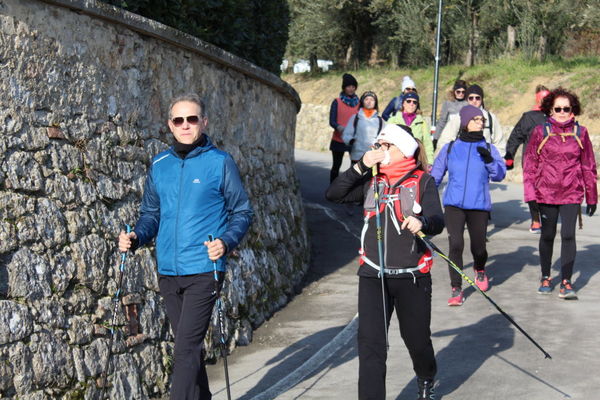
(408, 204)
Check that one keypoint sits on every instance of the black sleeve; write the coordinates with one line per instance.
(333, 115)
(518, 136)
(348, 187)
(433, 216)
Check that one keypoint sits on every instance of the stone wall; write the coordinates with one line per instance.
(85, 90)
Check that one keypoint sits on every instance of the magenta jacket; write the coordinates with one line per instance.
(563, 172)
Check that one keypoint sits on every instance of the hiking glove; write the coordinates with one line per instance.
(591, 209)
(485, 154)
(509, 161)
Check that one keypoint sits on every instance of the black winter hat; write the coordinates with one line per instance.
(348, 80)
(460, 84)
(475, 89)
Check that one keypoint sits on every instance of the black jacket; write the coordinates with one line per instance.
(522, 131)
(402, 250)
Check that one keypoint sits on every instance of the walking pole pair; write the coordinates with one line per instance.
(116, 301)
(222, 342)
(436, 250)
(379, 235)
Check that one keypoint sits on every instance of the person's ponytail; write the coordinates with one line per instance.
(421, 156)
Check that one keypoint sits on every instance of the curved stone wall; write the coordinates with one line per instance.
(85, 90)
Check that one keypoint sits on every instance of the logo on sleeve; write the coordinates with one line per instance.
(196, 180)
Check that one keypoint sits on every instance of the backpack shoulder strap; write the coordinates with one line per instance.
(491, 126)
(355, 123)
(449, 148)
(380, 124)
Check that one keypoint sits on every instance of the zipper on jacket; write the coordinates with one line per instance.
(466, 176)
(177, 218)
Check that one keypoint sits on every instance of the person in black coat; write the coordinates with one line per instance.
(409, 204)
(520, 136)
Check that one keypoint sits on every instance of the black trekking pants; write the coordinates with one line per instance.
(568, 220)
(189, 301)
(476, 221)
(534, 210)
(412, 301)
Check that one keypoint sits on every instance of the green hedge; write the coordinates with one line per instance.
(256, 30)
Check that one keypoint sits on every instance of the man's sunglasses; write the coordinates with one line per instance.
(410, 89)
(559, 109)
(411, 101)
(474, 97)
(191, 119)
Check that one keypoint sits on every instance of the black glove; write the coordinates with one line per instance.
(485, 154)
(591, 209)
(352, 141)
(509, 161)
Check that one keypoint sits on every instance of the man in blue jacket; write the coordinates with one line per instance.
(192, 190)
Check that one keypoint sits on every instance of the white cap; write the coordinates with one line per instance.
(407, 82)
(397, 136)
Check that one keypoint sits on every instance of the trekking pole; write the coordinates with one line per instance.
(435, 249)
(116, 300)
(380, 248)
(219, 304)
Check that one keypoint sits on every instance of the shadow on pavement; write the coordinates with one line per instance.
(327, 230)
(295, 355)
(466, 353)
(507, 213)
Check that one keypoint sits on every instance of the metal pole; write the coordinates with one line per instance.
(437, 67)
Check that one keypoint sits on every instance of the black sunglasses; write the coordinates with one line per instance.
(191, 119)
(559, 109)
(410, 89)
(474, 97)
(411, 101)
(460, 91)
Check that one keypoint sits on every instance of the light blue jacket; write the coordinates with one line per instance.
(468, 176)
(184, 201)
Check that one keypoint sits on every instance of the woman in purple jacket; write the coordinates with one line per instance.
(559, 170)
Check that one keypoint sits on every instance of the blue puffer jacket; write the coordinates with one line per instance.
(468, 176)
(185, 200)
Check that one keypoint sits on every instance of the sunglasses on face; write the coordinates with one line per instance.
(560, 109)
(411, 101)
(479, 119)
(191, 119)
(410, 89)
(474, 97)
(460, 91)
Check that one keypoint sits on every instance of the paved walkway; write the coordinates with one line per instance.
(308, 349)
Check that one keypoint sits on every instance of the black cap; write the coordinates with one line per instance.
(348, 80)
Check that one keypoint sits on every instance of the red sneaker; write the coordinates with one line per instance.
(536, 227)
(481, 280)
(456, 299)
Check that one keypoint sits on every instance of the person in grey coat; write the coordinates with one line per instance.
(450, 107)
(363, 127)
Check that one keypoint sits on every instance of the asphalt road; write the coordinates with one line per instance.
(308, 350)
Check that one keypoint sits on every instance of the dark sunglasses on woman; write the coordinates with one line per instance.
(559, 109)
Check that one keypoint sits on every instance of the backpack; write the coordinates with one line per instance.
(548, 134)
(399, 200)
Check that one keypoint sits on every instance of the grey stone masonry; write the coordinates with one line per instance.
(85, 90)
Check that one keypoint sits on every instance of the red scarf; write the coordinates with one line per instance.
(396, 170)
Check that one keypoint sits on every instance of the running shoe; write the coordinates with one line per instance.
(546, 285)
(566, 290)
(536, 227)
(481, 280)
(456, 299)
(426, 391)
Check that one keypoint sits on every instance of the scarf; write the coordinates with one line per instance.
(369, 113)
(471, 137)
(349, 101)
(409, 117)
(183, 149)
(398, 169)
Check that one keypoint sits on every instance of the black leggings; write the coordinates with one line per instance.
(338, 157)
(534, 210)
(476, 221)
(412, 301)
(568, 219)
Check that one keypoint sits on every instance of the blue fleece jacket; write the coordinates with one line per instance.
(187, 199)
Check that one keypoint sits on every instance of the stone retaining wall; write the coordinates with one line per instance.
(85, 90)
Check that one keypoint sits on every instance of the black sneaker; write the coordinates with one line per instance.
(425, 389)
